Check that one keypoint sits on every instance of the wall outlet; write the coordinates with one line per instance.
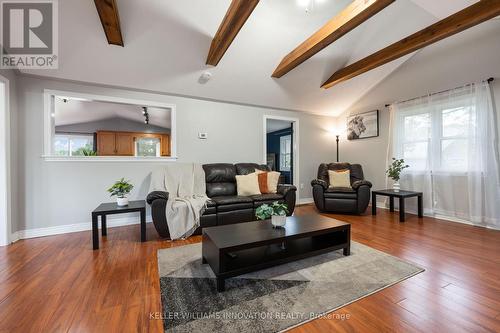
(301, 186)
(203, 136)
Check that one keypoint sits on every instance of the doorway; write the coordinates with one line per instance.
(281, 148)
(4, 162)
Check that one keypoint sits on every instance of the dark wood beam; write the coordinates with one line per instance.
(110, 20)
(460, 21)
(352, 16)
(235, 18)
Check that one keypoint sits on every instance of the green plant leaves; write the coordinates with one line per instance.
(265, 211)
(121, 188)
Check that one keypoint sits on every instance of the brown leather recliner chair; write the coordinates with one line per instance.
(352, 200)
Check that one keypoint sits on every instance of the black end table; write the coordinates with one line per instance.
(402, 195)
(111, 208)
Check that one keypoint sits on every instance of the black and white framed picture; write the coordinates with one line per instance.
(362, 125)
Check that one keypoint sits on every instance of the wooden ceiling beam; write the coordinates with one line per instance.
(233, 21)
(460, 21)
(352, 16)
(110, 20)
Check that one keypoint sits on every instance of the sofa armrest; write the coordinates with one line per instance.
(289, 193)
(320, 182)
(156, 195)
(359, 183)
(285, 188)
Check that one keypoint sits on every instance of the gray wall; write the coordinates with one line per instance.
(14, 181)
(471, 56)
(112, 124)
(60, 193)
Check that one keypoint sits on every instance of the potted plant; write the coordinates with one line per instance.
(121, 189)
(394, 172)
(276, 212)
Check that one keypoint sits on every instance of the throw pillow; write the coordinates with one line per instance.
(272, 179)
(247, 184)
(339, 178)
(262, 176)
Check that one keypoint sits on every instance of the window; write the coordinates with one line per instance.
(286, 153)
(437, 137)
(147, 147)
(73, 144)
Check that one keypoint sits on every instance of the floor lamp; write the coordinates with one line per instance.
(337, 147)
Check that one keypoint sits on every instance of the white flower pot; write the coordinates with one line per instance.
(396, 186)
(278, 221)
(122, 201)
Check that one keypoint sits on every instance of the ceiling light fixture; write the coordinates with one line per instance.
(145, 114)
(309, 5)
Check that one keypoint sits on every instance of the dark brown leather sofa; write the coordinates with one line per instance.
(225, 206)
(352, 200)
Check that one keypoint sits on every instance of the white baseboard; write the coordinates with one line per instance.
(76, 227)
(305, 201)
(439, 217)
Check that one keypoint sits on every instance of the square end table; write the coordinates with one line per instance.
(111, 208)
(402, 195)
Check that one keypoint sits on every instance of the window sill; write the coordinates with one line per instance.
(107, 159)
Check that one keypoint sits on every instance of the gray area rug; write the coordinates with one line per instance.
(273, 299)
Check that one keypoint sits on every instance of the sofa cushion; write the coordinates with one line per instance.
(220, 179)
(231, 199)
(267, 197)
(230, 203)
(211, 208)
(246, 168)
(340, 193)
(340, 189)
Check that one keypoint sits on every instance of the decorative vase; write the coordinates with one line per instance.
(396, 186)
(278, 221)
(122, 201)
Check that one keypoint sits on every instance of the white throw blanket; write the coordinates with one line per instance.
(185, 184)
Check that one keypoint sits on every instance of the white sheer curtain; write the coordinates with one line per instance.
(449, 141)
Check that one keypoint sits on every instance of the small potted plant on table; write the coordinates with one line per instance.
(121, 189)
(394, 172)
(276, 212)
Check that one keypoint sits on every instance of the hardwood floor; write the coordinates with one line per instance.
(59, 284)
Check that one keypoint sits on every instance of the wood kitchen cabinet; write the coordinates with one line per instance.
(125, 144)
(106, 143)
(110, 143)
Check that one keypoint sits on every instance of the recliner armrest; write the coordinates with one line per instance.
(285, 188)
(320, 182)
(156, 195)
(359, 183)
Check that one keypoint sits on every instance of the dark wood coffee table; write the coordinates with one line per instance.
(402, 195)
(236, 249)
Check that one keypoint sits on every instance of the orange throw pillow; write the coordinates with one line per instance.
(263, 182)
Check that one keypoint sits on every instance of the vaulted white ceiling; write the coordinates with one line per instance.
(166, 44)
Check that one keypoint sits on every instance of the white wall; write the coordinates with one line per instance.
(471, 56)
(62, 193)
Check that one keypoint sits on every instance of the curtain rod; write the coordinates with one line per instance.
(491, 79)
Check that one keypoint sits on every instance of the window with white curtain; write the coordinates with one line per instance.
(449, 141)
(437, 137)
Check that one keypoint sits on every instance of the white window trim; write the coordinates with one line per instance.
(49, 129)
